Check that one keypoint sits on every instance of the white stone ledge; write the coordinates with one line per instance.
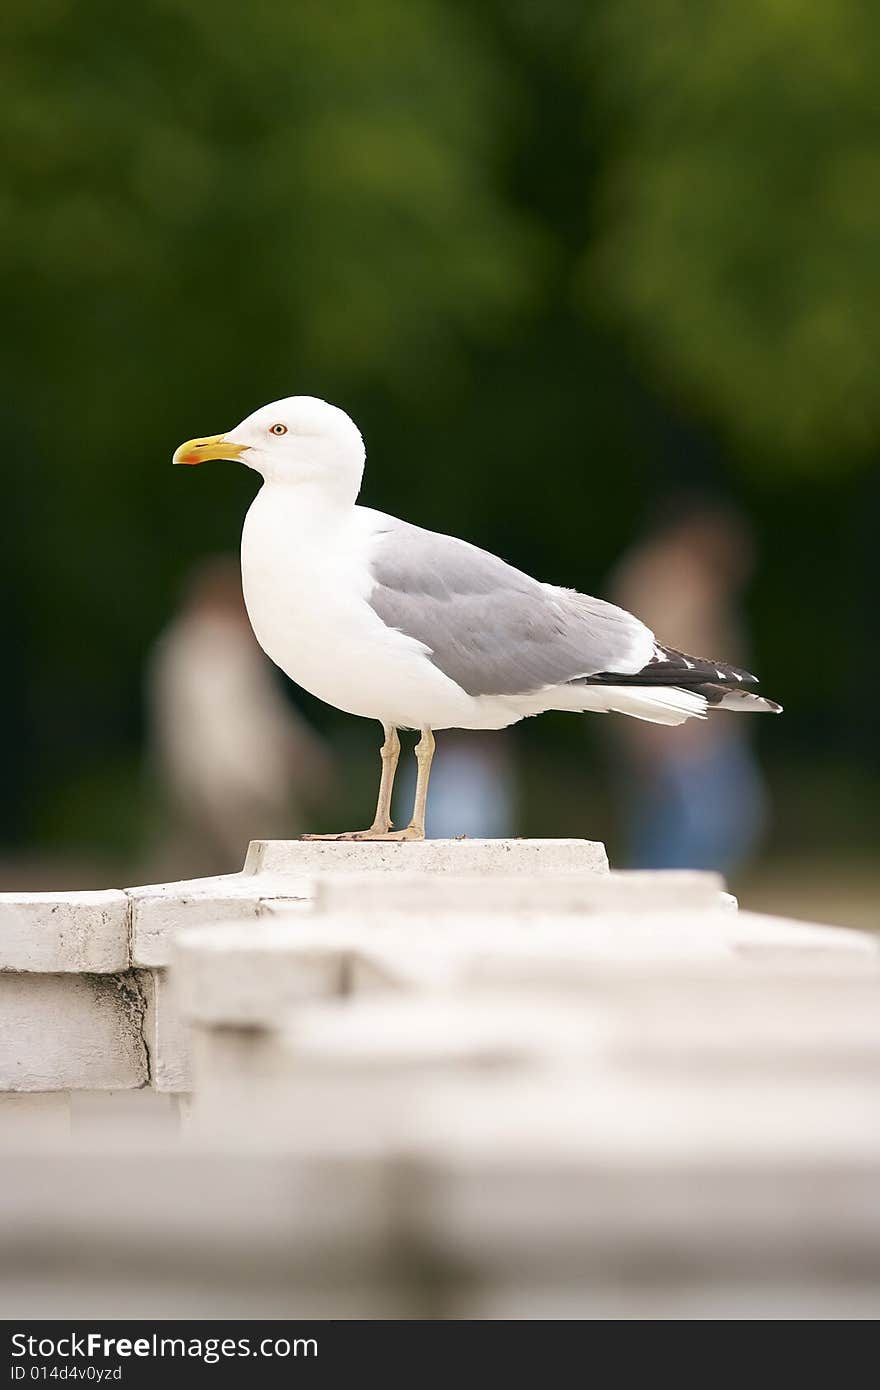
(93, 932)
(160, 910)
(636, 944)
(72, 1032)
(534, 857)
(701, 1027)
(765, 937)
(106, 932)
(377, 896)
(546, 1124)
(322, 926)
(56, 933)
(167, 1035)
(564, 875)
(250, 974)
(352, 1072)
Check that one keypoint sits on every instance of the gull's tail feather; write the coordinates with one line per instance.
(720, 685)
(657, 704)
(720, 697)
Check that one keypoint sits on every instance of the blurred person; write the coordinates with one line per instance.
(692, 797)
(234, 760)
(473, 787)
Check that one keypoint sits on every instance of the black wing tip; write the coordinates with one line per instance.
(674, 668)
(695, 666)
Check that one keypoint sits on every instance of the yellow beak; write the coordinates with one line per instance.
(212, 446)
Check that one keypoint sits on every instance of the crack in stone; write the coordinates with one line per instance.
(129, 927)
(135, 994)
(135, 1002)
(139, 1003)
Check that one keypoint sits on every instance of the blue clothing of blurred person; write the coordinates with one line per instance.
(472, 787)
(691, 797)
(704, 809)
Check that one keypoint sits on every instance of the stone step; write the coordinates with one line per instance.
(544, 858)
(312, 923)
(286, 872)
(250, 974)
(695, 1025)
(377, 896)
(60, 933)
(557, 957)
(159, 911)
(356, 1072)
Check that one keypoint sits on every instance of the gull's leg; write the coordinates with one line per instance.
(416, 828)
(424, 758)
(379, 830)
(389, 753)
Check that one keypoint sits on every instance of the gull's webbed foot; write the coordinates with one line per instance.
(411, 832)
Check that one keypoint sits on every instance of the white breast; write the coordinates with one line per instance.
(306, 581)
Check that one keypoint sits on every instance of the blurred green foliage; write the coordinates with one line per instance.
(555, 259)
(739, 226)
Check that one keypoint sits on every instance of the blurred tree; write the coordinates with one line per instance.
(206, 206)
(739, 214)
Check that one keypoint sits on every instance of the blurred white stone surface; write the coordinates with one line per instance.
(445, 1080)
(166, 1034)
(372, 897)
(249, 974)
(527, 1195)
(148, 1230)
(356, 1072)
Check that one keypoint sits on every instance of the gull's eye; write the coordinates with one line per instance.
(278, 429)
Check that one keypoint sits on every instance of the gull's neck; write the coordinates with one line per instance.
(309, 506)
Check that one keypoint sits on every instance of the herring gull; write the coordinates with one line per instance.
(424, 631)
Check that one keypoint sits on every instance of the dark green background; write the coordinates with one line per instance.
(556, 259)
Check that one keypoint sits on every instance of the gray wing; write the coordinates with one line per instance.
(489, 627)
